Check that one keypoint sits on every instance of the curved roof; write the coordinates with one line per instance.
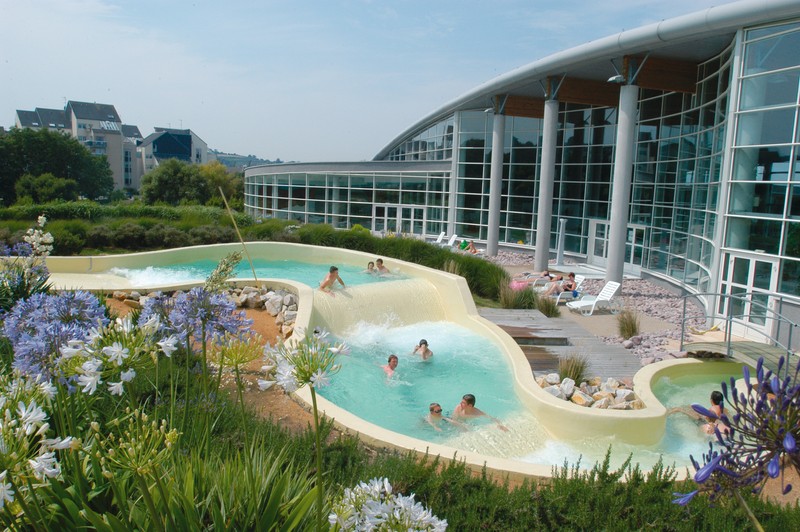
(694, 37)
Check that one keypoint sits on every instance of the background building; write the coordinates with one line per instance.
(671, 150)
(99, 127)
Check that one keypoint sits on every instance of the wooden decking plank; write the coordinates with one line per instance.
(604, 360)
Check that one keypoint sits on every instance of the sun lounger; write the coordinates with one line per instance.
(587, 304)
(570, 295)
(451, 242)
(439, 240)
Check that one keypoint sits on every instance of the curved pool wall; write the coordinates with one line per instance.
(447, 297)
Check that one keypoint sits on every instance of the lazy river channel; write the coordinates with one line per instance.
(463, 362)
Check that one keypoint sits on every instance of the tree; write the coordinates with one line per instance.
(176, 182)
(37, 152)
(46, 188)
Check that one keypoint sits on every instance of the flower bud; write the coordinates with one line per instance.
(789, 443)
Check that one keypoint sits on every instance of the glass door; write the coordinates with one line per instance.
(750, 281)
(635, 248)
(598, 243)
(412, 221)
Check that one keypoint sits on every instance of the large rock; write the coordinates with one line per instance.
(552, 378)
(290, 316)
(555, 391)
(602, 403)
(581, 399)
(273, 305)
(624, 394)
(568, 386)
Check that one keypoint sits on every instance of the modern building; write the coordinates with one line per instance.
(671, 150)
(168, 143)
(98, 127)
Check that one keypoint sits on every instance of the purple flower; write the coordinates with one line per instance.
(774, 466)
(683, 498)
(789, 443)
(200, 312)
(38, 326)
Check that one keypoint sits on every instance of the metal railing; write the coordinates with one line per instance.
(763, 311)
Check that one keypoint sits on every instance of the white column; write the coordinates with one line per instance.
(547, 173)
(495, 183)
(623, 170)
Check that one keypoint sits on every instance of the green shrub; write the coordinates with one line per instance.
(210, 234)
(628, 323)
(99, 236)
(521, 299)
(165, 236)
(548, 307)
(574, 367)
(267, 229)
(130, 236)
(317, 234)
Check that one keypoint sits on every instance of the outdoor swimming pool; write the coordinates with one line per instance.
(464, 362)
(378, 318)
(197, 271)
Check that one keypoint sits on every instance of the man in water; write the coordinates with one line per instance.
(466, 409)
(390, 366)
(422, 350)
(326, 285)
(435, 417)
(382, 270)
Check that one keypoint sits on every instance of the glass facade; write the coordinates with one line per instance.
(715, 190)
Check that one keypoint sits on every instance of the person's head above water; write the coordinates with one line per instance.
(423, 342)
(716, 397)
(469, 399)
(435, 408)
(334, 269)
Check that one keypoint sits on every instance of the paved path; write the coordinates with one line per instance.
(545, 340)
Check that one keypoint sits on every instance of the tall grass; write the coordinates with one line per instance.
(574, 366)
(628, 323)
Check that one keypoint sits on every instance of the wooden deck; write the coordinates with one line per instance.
(545, 340)
(744, 351)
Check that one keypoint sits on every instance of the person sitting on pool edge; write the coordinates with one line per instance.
(467, 409)
(390, 366)
(326, 285)
(435, 417)
(382, 270)
(422, 350)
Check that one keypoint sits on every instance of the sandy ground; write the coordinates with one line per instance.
(287, 413)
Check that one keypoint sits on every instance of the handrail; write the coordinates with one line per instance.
(768, 313)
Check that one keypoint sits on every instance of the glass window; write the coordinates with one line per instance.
(772, 53)
(790, 277)
(778, 88)
(762, 164)
(765, 127)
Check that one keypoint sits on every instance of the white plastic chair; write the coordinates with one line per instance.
(451, 242)
(587, 304)
(569, 295)
(439, 240)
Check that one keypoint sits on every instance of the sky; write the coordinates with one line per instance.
(316, 80)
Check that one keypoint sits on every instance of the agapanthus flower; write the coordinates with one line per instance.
(40, 325)
(168, 345)
(764, 423)
(115, 388)
(116, 353)
(206, 316)
(31, 417)
(127, 375)
(45, 465)
(6, 493)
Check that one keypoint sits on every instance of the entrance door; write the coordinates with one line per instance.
(758, 277)
(635, 248)
(394, 219)
(597, 248)
(635, 245)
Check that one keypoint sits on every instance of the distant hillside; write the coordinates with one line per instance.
(238, 162)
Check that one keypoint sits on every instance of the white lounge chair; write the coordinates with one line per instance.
(439, 240)
(587, 304)
(569, 295)
(451, 242)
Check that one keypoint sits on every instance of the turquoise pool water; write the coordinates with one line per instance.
(463, 362)
(199, 270)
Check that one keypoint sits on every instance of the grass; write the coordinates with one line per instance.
(574, 367)
(628, 323)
